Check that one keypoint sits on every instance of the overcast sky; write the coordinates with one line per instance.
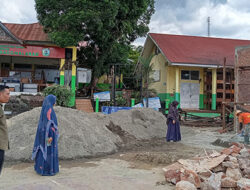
(229, 18)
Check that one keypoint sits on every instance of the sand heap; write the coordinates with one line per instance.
(85, 134)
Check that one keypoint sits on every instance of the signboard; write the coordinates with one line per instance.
(112, 109)
(103, 96)
(83, 75)
(140, 105)
(152, 102)
(32, 51)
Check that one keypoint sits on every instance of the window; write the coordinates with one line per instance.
(185, 75)
(190, 75)
(194, 75)
(156, 75)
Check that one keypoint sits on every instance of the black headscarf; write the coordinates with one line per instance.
(173, 111)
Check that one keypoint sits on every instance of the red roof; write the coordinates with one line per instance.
(28, 32)
(197, 50)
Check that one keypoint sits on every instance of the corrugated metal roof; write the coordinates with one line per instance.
(28, 32)
(197, 50)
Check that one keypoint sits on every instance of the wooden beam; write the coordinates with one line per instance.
(236, 72)
(224, 95)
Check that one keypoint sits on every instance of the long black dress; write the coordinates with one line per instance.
(173, 132)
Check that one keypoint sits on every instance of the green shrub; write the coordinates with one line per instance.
(120, 101)
(62, 93)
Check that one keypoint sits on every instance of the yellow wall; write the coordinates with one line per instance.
(158, 62)
(170, 79)
(167, 76)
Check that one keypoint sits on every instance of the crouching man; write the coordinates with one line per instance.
(4, 141)
(244, 120)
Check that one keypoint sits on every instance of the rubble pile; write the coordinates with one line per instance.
(227, 170)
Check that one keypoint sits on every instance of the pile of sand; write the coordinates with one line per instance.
(85, 134)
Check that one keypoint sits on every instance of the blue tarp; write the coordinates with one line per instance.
(111, 109)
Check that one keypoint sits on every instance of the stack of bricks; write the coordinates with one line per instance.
(84, 105)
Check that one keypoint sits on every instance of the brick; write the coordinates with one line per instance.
(173, 176)
(243, 183)
(228, 182)
(246, 173)
(230, 164)
(213, 182)
(232, 149)
(233, 173)
(205, 174)
(227, 151)
(247, 187)
(244, 153)
(236, 149)
(244, 163)
(185, 185)
(219, 168)
(191, 176)
(173, 173)
(238, 144)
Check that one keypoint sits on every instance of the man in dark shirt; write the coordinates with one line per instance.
(4, 140)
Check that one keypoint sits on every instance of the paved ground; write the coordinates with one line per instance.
(136, 167)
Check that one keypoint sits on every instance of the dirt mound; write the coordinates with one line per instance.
(85, 134)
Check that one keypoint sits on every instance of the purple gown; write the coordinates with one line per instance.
(173, 131)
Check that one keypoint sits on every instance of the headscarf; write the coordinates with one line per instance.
(175, 103)
(44, 125)
(173, 112)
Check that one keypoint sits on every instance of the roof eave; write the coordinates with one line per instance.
(27, 42)
(168, 61)
(195, 65)
(5, 29)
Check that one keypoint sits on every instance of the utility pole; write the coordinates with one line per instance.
(113, 74)
(208, 26)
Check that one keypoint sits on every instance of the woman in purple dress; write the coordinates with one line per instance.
(173, 132)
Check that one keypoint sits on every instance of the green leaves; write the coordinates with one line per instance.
(114, 19)
(111, 25)
(62, 93)
(147, 66)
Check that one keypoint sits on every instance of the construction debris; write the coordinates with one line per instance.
(228, 169)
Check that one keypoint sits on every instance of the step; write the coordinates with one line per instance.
(84, 105)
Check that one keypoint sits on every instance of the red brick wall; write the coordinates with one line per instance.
(243, 60)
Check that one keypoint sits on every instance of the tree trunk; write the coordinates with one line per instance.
(93, 83)
(147, 91)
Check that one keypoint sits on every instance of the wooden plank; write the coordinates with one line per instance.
(221, 82)
(221, 100)
(227, 91)
(236, 72)
(224, 95)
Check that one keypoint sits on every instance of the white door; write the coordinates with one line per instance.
(190, 94)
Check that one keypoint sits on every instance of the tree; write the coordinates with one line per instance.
(108, 27)
(127, 69)
(146, 68)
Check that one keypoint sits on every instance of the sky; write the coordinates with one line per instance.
(228, 18)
